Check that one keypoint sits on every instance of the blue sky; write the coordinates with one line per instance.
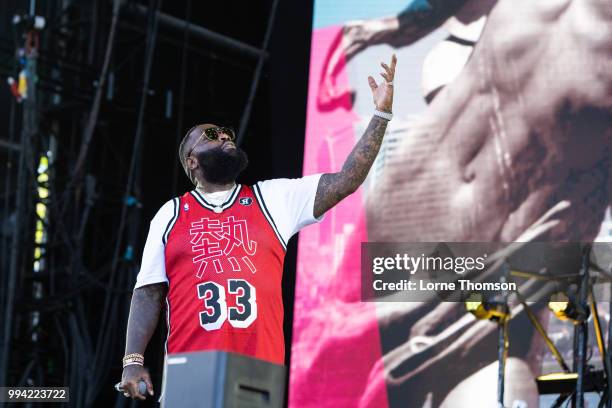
(336, 12)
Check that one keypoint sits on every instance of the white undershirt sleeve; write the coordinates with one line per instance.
(290, 203)
(153, 266)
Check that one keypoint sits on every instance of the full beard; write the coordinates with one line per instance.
(222, 167)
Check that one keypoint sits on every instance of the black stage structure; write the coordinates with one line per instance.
(88, 153)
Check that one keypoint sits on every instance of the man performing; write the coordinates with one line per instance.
(216, 253)
(516, 147)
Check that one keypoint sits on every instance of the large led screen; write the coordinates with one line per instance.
(501, 132)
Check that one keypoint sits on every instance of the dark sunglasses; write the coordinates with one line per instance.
(213, 134)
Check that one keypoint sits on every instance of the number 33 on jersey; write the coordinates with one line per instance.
(224, 271)
(216, 310)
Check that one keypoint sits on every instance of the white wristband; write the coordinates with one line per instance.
(384, 115)
(133, 363)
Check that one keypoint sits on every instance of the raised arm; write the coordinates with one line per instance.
(145, 308)
(419, 18)
(333, 187)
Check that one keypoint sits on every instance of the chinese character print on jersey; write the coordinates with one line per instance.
(224, 271)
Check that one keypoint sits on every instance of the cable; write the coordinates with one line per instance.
(258, 69)
(23, 181)
(100, 365)
(152, 34)
(4, 263)
(95, 108)
(179, 126)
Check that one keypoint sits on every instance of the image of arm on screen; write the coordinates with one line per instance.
(419, 18)
(333, 187)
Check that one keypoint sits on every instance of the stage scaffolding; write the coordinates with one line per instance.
(63, 236)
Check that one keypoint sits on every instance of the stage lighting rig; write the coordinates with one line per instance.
(487, 310)
(566, 309)
(28, 22)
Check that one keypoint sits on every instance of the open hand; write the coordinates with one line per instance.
(382, 93)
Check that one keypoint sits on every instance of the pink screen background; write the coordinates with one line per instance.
(330, 363)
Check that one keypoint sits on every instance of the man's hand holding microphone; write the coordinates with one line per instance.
(135, 380)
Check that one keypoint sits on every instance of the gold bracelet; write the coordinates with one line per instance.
(133, 358)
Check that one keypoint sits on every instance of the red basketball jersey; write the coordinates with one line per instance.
(224, 271)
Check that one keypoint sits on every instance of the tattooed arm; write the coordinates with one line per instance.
(333, 187)
(144, 314)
